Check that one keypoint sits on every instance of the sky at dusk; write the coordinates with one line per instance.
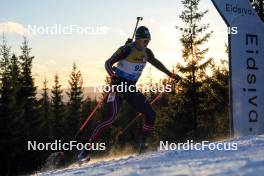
(108, 24)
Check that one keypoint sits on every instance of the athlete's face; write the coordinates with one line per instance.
(142, 43)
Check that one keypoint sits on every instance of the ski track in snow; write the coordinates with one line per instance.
(247, 160)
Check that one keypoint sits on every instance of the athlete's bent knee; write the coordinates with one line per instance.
(150, 118)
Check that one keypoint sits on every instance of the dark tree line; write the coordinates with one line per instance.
(24, 118)
(197, 107)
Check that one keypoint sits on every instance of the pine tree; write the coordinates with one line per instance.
(34, 122)
(46, 111)
(58, 109)
(27, 94)
(16, 121)
(193, 53)
(6, 105)
(12, 124)
(75, 103)
(218, 100)
(87, 106)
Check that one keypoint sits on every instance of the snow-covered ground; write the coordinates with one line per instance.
(247, 160)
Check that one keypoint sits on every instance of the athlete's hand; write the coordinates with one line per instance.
(176, 77)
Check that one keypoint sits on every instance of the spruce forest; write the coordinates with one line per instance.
(196, 108)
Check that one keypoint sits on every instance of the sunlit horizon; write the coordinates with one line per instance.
(55, 54)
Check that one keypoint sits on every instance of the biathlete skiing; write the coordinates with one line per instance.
(130, 61)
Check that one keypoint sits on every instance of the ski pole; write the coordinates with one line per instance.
(90, 116)
(139, 114)
(61, 153)
(130, 40)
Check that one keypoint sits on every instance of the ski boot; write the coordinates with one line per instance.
(84, 156)
(143, 143)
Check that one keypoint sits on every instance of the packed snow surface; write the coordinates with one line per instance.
(248, 159)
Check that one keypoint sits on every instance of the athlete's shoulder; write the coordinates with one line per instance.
(127, 47)
(148, 50)
(149, 53)
(123, 51)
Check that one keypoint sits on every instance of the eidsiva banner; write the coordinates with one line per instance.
(246, 47)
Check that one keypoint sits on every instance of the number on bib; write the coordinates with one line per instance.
(139, 67)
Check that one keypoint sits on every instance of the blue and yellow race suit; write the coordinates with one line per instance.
(130, 63)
